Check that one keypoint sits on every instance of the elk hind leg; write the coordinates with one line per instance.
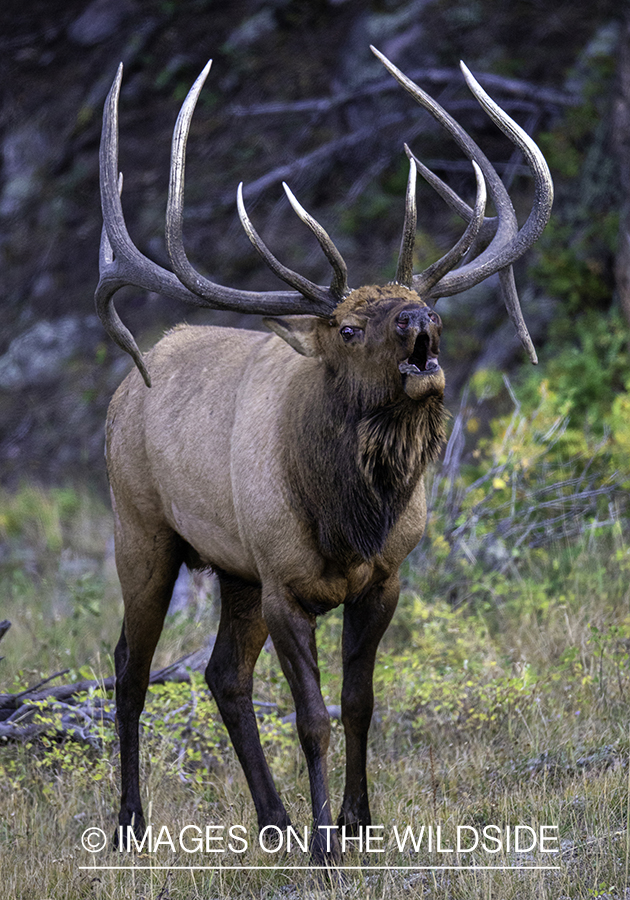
(240, 638)
(148, 564)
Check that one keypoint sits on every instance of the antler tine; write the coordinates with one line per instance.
(511, 301)
(307, 288)
(543, 199)
(175, 203)
(431, 276)
(459, 206)
(339, 285)
(321, 300)
(404, 269)
(508, 243)
(106, 309)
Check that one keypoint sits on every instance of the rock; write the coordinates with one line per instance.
(25, 152)
(251, 30)
(99, 21)
(37, 356)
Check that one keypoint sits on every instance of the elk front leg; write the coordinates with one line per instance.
(364, 623)
(240, 638)
(147, 567)
(292, 630)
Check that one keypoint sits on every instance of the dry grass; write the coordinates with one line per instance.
(511, 710)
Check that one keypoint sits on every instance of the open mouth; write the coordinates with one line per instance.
(421, 361)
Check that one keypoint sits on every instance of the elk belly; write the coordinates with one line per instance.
(216, 544)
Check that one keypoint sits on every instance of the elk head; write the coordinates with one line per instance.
(495, 243)
(385, 340)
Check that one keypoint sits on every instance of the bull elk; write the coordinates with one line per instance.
(290, 463)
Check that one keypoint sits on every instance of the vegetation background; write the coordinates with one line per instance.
(502, 686)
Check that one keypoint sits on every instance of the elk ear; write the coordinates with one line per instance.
(300, 332)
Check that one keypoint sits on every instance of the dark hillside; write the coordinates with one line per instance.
(290, 78)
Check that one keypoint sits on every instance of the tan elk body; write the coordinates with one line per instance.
(206, 451)
(291, 463)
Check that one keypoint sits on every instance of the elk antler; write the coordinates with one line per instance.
(339, 285)
(507, 242)
(404, 271)
(121, 263)
(323, 299)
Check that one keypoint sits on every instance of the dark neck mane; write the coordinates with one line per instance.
(352, 469)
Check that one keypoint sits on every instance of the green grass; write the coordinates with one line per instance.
(501, 699)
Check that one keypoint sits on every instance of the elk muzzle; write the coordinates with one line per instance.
(420, 327)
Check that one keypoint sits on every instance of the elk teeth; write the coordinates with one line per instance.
(408, 368)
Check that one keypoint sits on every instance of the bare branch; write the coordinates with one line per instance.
(513, 87)
(39, 684)
(17, 711)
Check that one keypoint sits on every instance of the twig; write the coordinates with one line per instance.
(434, 785)
(67, 691)
(40, 684)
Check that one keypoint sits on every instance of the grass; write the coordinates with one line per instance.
(501, 700)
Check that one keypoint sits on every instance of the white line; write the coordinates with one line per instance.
(328, 868)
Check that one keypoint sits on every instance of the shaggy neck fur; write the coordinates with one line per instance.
(357, 470)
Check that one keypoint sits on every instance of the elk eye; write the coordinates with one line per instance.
(348, 332)
(434, 318)
(402, 322)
